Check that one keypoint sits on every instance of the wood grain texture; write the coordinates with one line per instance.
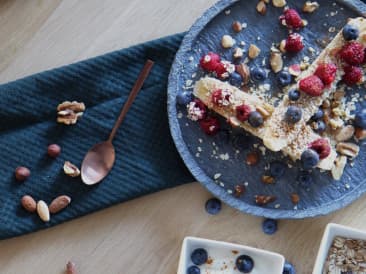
(144, 235)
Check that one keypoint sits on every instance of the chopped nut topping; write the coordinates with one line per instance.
(238, 53)
(276, 61)
(239, 190)
(237, 26)
(254, 51)
(295, 198)
(348, 149)
(244, 72)
(338, 168)
(261, 7)
(310, 6)
(71, 169)
(279, 3)
(268, 179)
(227, 41)
(265, 113)
(345, 133)
(68, 112)
(264, 199)
(252, 158)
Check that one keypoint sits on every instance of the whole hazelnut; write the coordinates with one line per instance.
(53, 150)
(22, 173)
(237, 26)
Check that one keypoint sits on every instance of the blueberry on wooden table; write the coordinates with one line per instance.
(213, 206)
(199, 256)
(269, 226)
(193, 270)
(288, 268)
(244, 263)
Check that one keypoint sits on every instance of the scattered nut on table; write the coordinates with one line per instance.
(43, 212)
(227, 41)
(244, 72)
(238, 53)
(28, 203)
(276, 61)
(261, 7)
(68, 112)
(237, 26)
(253, 51)
(279, 3)
(310, 6)
(71, 170)
(59, 204)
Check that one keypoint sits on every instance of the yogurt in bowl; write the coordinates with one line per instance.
(227, 258)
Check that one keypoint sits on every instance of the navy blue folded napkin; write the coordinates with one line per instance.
(146, 158)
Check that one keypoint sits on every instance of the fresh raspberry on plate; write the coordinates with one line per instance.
(210, 125)
(243, 112)
(326, 72)
(352, 53)
(220, 97)
(294, 43)
(221, 71)
(292, 19)
(321, 146)
(209, 61)
(352, 75)
(196, 110)
(311, 85)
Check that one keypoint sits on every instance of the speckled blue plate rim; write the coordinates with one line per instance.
(191, 163)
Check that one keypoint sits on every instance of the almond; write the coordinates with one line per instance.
(338, 167)
(279, 3)
(253, 51)
(244, 72)
(43, 212)
(261, 7)
(276, 61)
(59, 204)
(310, 6)
(28, 203)
(227, 41)
(71, 170)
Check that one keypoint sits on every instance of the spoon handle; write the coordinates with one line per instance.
(136, 88)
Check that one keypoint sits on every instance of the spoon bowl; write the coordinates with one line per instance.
(97, 163)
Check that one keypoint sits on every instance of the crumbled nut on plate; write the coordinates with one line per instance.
(261, 7)
(227, 41)
(253, 51)
(279, 3)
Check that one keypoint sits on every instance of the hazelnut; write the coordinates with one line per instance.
(295, 198)
(237, 27)
(252, 158)
(227, 41)
(53, 150)
(22, 173)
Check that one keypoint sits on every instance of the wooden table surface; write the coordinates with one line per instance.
(144, 235)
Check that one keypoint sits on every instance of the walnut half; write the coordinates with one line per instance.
(68, 112)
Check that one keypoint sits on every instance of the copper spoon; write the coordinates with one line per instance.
(100, 158)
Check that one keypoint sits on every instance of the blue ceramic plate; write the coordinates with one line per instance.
(218, 162)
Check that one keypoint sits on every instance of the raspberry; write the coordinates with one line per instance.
(352, 75)
(292, 19)
(221, 71)
(210, 125)
(321, 146)
(326, 73)
(220, 97)
(311, 85)
(242, 112)
(209, 61)
(352, 53)
(196, 110)
(294, 43)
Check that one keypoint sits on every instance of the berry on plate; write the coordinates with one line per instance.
(209, 61)
(221, 97)
(352, 53)
(243, 112)
(352, 75)
(294, 43)
(317, 115)
(213, 206)
(360, 119)
(221, 71)
(183, 98)
(326, 72)
(196, 110)
(319, 126)
(322, 147)
(291, 19)
(199, 256)
(244, 263)
(255, 119)
(311, 85)
(350, 32)
(309, 159)
(258, 74)
(293, 94)
(293, 114)
(269, 226)
(236, 79)
(288, 268)
(210, 125)
(193, 270)
(284, 78)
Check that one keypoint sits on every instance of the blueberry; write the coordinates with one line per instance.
(350, 32)
(199, 256)
(184, 98)
(193, 270)
(258, 74)
(294, 94)
(317, 115)
(288, 268)
(305, 179)
(236, 79)
(309, 159)
(360, 119)
(244, 263)
(255, 119)
(213, 206)
(319, 126)
(269, 226)
(277, 169)
(284, 78)
(293, 114)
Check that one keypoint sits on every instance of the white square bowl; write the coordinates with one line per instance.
(223, 257)
(331, 231)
